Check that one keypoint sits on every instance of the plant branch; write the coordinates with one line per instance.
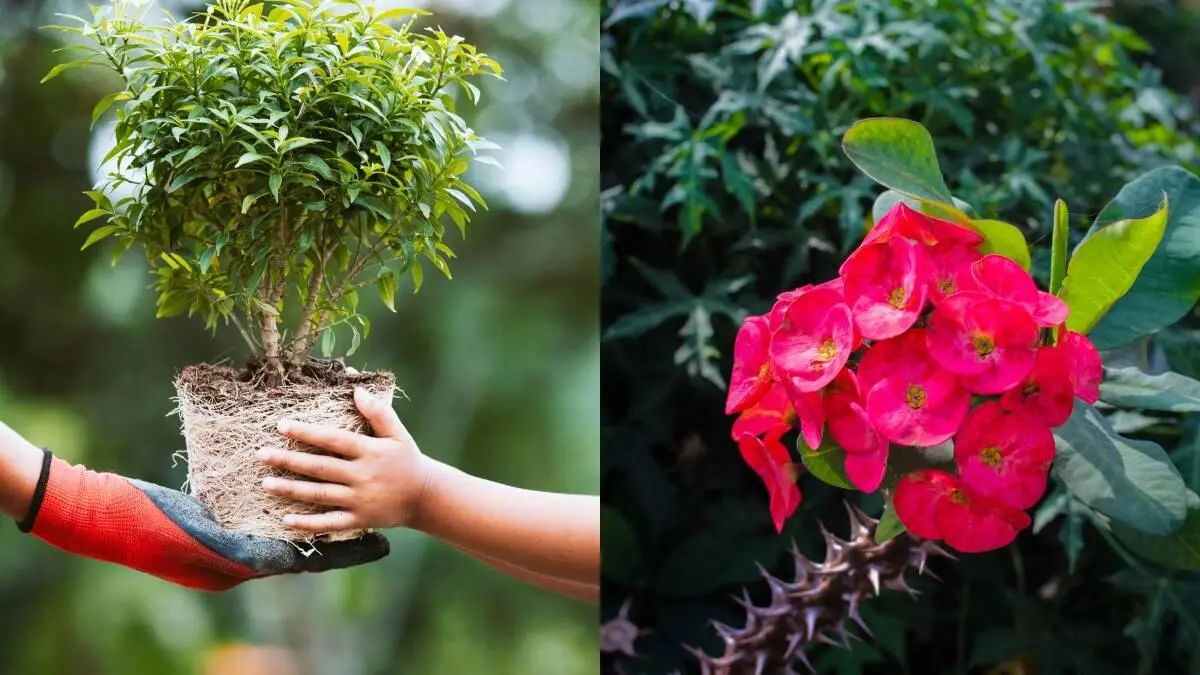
(305, 334)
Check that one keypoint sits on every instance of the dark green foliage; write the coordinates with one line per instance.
(724, 183)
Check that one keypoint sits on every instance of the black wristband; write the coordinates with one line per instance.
(39, 493)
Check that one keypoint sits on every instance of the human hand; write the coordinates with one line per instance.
(373, 482)
(166, 533)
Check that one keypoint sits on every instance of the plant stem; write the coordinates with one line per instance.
(270, 320)
(305, 334)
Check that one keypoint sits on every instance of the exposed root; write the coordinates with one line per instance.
(229, 415)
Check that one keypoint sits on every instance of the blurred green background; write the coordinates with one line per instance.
(501, 367)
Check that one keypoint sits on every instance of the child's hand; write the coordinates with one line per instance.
(375, 482)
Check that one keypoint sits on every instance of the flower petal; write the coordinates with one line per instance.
(916, 499)
(1003, 456)
(751, 376)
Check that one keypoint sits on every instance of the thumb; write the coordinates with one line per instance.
(380, 415)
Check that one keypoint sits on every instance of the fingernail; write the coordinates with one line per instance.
(284, 426)
(264, 455)
(269, 483)
(289, 521)
(361, 394)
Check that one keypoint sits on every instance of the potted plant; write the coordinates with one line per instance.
(272, 162)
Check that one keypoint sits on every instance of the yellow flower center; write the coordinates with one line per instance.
(1031, 388)
(764, 371)
(984, 344)
(991, 457)
(915, 396)
(958, 496)
(828, 349)
(897, 298)
(946, 286)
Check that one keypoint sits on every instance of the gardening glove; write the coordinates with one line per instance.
(166, 533)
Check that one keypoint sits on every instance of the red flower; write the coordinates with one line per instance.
(1002, 278)
(903, 221)
(772, 415)
(991, 343)
(752, 375)
(1083, 362)
(1046, 396)
(810, 412)
(814, 339)
(1003, 456)
(886, 286)
(948, 261)
(934, 504)
(770, 460)
(910, 399)
(866, 449)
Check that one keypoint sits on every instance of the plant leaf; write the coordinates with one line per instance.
(1004, 239)
(1179, 550)
(1105, 265)
(1169, 284)
(897, 154)
(827, 463)
(1130, 481)
(1132, 388)
(1058, 245)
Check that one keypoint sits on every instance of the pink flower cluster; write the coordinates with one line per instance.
(919, 341)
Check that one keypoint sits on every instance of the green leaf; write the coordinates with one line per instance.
(328, 340)
(62, 67)
(105, 103)
(399, 12)
(897, 154)
(276, 181)
(827, 463)
(1130, 481)
(889, 524)
(418, 275)
(1179, 550)
(1058, 245)
(1132, 388)
(98, 234)
(264, 307)
(248, 158)
(1004, 239)
(206, 259)
(91, 215)
(385, 155)
(1105, 265)
(1169, 284)
(386, 283)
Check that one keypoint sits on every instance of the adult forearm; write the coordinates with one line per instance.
(20, 466)
(573, 589)
(549, 534)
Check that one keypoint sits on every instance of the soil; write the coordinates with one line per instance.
(229, 414)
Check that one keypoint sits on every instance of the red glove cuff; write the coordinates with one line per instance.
(105, 517)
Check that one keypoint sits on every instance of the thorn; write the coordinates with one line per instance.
(760, 663)
(803, 658)
(873, 576)
(825, 639)
(793, 643)
(899, 583)
(843, 635)
(931, 548)
(623, 612)
(811, 614)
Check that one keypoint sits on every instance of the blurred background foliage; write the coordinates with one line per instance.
(501, 367)
(723, 184)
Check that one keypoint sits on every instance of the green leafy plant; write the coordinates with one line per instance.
(279, 159)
